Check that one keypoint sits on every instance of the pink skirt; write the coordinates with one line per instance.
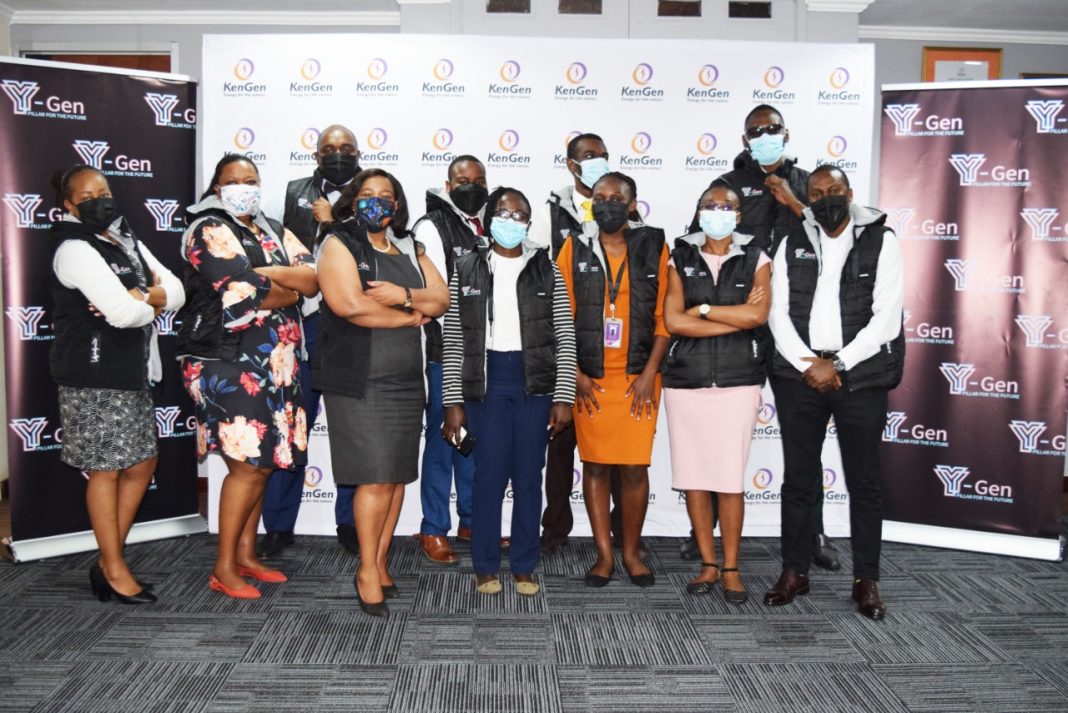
(710, 431)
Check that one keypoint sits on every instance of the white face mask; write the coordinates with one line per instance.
(240, 199)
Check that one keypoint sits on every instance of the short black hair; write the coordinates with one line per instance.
(572, 145)
(460, 159)
(829, 168)
(494, 198)
(225, 161)
(343, 208)
(61, 180)
(762, 107)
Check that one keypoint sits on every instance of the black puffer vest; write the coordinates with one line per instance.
(644, 245)
(736, 359)
(883, 369)
(87, 351)
(562, 222)
(301, 195)
(534, 290)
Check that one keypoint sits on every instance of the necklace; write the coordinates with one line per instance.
(388, 248)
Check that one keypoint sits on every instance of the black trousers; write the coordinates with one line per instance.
(860, 417)
(558, 520)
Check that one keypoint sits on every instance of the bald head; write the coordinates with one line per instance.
(337, 136)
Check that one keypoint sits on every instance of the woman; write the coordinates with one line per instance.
(378, 289)
(239, 345)
(509, 348)
(718, 299)
(616, 277)
(107, 288)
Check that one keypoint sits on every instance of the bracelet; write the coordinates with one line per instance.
(407, 298)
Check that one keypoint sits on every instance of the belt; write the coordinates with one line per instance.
(824, 355)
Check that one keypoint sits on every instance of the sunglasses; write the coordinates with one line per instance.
(755, 132)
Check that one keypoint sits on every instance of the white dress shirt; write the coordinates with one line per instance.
(541, 223)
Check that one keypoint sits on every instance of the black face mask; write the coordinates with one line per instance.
(469, 197)
(98, 213)
(830, 212)
(339, 168)
(610, 215)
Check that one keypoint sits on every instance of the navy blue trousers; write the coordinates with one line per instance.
(440, 461)
(511, 429)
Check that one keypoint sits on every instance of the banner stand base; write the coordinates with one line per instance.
(1041, 548)
(74, 542)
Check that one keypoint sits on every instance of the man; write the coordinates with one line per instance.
(451, 227)
(308, 204)
(837, 293)
(774, 192)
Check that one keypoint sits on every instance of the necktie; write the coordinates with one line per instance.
(478, 226)
(588, 215)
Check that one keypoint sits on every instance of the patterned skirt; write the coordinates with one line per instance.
(106, 429)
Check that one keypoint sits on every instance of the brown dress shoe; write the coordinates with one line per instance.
(436, 549)
(790, 584)
(866, 595)
(463, 533)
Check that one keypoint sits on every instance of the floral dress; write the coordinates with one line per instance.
(249, 408)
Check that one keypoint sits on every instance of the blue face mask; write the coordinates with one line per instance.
(592, 170)
(717, 223)
(375, 213)
(508, 233)
(767, 149)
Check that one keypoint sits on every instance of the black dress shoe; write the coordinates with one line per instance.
(866, 595)
(551, 547)
(689, 550)
(274, 542)
(790, 584)
(697, 588)
(103, 590)
(642, 580)
(390, 591)
(596, 581)
(824, 554)
(378, 609)
(346, 537)
(734, 596)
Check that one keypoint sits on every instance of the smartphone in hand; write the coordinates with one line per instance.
(467, 441)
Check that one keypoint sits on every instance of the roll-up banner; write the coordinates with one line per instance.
(138, 128)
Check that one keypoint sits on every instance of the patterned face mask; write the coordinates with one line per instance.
(376, 213)
(239, 199)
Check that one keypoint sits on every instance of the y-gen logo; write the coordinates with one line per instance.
(962, 271)
(21, 94)
(165, 419)
(899, 218)
(894, 419)
(957, 376)
(162, 210)
(1041, 220)
(164, 322)
(92, 152)
(1028, 434)
(162, 106)
(916, 434)
(31, 431)
(967, 165)
(1034, 327)
(952, 476)
(902, 116)
(959, 270)
(1045, 115)
(23, 205)
(28, 320)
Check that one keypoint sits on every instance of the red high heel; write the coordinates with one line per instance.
(245, 592)
(264, 575)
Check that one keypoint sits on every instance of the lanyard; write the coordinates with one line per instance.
(613, 284)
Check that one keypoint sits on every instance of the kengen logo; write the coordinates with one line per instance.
(313, 476)
(643, 209)
(92, 152)
(244, 138)
(24, 206)
(839, 77)
(510, 71)
(443, 69)
(309, 139)
(762, 479)
(829, 478)
(706, 144)
(570, 136)
(377, 68)
(1045, 115)
(766, 414)
(707, 75)
(641, 142)
(442, 139)
(377, 138)
(509, 140)
(642, 74)
(310, 69)
(575, 73)
(837, 146)
(774, 77)
(243, 69)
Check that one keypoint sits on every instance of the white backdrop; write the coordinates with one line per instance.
(671, 114)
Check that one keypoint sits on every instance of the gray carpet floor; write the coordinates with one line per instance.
(965, 632)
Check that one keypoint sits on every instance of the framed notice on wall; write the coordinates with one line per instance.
(961, 64)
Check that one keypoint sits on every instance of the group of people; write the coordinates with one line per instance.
(516, 332)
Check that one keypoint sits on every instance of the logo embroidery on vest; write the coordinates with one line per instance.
(802, 254)
(120, 270)
(363, 267)
(470, 291)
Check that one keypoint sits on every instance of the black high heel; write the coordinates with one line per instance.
(103, 590)
(734, 596)
(378, 609)
(702, 587)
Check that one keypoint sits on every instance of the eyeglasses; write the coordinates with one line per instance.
(725, 207)
(518, 216)
(347, 149)
(755, 132)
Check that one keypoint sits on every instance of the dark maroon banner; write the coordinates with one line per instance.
(140, 131)
(973, 182)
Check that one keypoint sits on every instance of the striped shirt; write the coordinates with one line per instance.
(563, 326)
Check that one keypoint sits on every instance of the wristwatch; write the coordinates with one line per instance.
(407, 298)
(839, 365)
(144, 292)
(703, 310)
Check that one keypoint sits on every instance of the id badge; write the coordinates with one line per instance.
(613, 333)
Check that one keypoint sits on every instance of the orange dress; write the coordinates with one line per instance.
(612, 436)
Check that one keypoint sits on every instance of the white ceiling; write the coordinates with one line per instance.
(1016, 15)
